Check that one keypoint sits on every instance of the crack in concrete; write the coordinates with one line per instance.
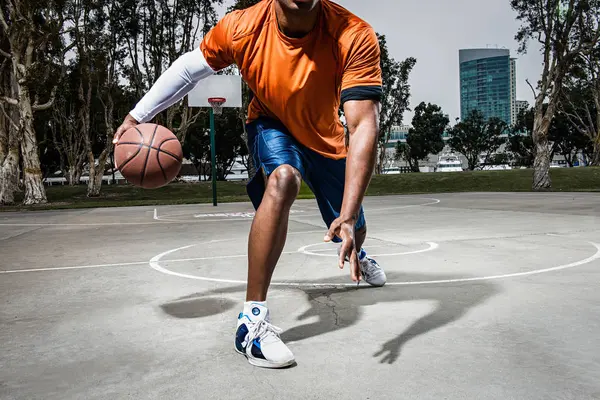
(330, 303)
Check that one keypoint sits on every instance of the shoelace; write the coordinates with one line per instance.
(262, 329)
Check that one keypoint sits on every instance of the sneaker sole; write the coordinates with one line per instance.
(257, 362)
(375, 284)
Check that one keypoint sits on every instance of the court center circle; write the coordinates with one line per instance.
(154, 263)
(305, 250)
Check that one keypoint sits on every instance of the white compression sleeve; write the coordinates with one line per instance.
(177, 81)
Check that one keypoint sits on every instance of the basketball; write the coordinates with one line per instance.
(148, 156)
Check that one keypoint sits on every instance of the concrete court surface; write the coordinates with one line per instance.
(490, 296)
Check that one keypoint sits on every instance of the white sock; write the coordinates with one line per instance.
(256, 310)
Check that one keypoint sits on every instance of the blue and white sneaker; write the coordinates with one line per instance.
(258, 340)
(372, 273)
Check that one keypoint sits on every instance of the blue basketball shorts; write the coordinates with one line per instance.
(271, 145)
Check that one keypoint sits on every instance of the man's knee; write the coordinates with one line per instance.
(284, 183)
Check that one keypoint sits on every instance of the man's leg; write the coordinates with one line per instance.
(278, 156)
(269, 230)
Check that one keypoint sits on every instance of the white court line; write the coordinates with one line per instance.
(178, 260)
(373, 210)
(91, 224)
(155, 264)
(16, 271)
(303, 250)
(300, 214)
(164, 221)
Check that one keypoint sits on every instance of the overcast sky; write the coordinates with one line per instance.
(433, 31)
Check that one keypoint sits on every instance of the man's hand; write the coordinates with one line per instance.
(343, 228)
(127, 124)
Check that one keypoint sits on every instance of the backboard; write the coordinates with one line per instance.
(227, 86)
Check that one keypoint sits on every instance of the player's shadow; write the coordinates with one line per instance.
(336, 308)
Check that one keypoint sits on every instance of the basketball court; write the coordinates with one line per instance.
(489, 296)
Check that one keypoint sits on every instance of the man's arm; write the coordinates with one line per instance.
(362, 118)
(176, 82)
(214, 54)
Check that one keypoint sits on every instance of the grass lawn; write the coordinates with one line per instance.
(564, 180)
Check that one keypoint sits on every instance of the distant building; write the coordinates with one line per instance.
(522, 105)
(513, 91)
(398, 133)
(488, 83)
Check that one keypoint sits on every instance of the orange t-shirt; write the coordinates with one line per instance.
(299, 81)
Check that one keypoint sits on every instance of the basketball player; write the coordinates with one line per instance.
(302, 59)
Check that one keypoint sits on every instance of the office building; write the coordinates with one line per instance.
(513, 91)
(488, 83)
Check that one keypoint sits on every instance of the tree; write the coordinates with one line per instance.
(520, 141)
(242, 5)
(108, 56)
(100, 54)
(65, 131)
(565, 29)
(565, 139)
(581, 102)
(31, 43)
(521, 149)
(156, 34)
(9, 140)
(425, 136)
(395, 98)
(229, 144)
(474, 137)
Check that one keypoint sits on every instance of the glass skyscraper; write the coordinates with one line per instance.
(488, 83)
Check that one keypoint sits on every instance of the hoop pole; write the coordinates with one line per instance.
(213, 157)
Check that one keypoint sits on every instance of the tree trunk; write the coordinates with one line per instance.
(472, 162)
(95, 181)
(543, 152)
(9, 176)
(9, 159)
(97, 172)
(35, 192)
(541, 165)
(595, 160)
(380, 159)
(413, 163)
(569, 158)
(73, 175)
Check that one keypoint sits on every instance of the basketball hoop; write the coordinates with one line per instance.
(217, 104)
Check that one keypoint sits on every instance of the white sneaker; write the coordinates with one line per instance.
(258, 340)
(372, 273)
